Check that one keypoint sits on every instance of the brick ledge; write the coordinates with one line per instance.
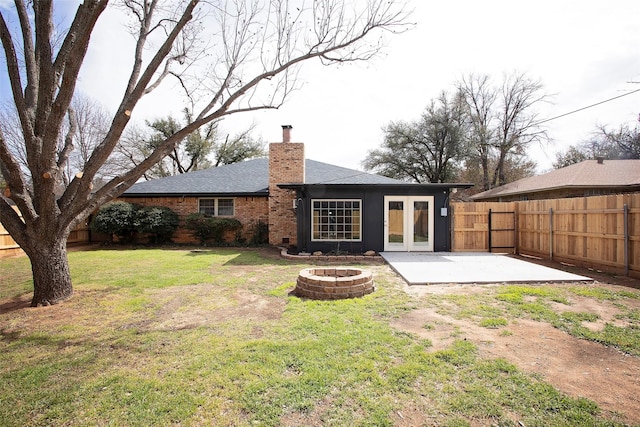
(284, 254)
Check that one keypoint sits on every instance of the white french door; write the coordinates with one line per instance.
(408, 223)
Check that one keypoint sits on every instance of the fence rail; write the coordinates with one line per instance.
(600, 231)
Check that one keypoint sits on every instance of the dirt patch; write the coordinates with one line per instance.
(594, 273)
(215, 307)
(578, 367)
(176, 308)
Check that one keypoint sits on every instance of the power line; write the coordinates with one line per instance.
(589, 106)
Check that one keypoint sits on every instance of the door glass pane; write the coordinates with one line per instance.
(420, 223)
(396, 222)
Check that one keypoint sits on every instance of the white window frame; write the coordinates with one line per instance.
(357, 224)
(216, 206)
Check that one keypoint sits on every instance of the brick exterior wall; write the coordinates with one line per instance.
(247, 210)
(286, 166)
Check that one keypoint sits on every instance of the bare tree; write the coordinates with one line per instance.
(617, 144)
(92, 123)
(503, 121)
(10, 128)
(89, 122)
(625, 140)
(253, 50)
(480, 98)
(517, 121)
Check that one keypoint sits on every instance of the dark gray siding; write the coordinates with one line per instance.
(372, 215)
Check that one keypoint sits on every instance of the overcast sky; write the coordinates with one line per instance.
(584, 52)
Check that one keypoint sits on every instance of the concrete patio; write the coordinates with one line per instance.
(422, 268)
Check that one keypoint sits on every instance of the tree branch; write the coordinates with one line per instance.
(11, 172)
(63, 157)
(81, 188)
(74, 51)
(13, 71)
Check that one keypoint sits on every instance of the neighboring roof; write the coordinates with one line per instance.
(250, 177)
(587, 174)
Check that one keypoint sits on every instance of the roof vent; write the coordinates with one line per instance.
(600, 160)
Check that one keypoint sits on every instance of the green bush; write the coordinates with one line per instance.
(124, 219)
(116, 218)
(206, 228)
(200, 226)
(158, 221)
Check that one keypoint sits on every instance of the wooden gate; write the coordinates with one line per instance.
(503, 236)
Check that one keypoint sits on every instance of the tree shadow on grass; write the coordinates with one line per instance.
(244, 256)
(16, 303)
(256, 257)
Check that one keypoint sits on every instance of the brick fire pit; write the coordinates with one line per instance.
(333, 283)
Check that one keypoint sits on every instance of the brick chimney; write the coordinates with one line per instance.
(286, 166)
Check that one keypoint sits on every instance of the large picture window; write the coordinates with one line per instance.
(216, 207)
(336, 219)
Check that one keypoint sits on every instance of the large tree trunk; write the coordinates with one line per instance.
(498, 174)
(484, 161)
(51, 274)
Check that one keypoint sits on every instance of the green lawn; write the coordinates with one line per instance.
(175, 337)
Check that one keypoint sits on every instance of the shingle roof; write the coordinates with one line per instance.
(587, 174)
(324, 173)
(249, 177)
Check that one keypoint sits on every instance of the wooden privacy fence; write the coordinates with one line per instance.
(600, 231)
(470, 226)
(8, 247)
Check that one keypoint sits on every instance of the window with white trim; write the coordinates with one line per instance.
(336, 219)
(216, 206)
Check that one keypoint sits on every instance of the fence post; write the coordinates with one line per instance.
(626, 238)
(452, 225)
(515, 233)
(489, 231)
(551, 233)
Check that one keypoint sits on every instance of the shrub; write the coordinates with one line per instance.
(205, 227)
(239, 239)
(158, 221)
(124, 219)
(260, 235)
(222, 225)
(115, 218)
(200, 226)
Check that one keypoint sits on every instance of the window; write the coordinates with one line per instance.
(336, 219)
(225, 207)
(216, 207)
(207, 206)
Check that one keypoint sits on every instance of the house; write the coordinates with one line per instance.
(587, 178)
(310, 205)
